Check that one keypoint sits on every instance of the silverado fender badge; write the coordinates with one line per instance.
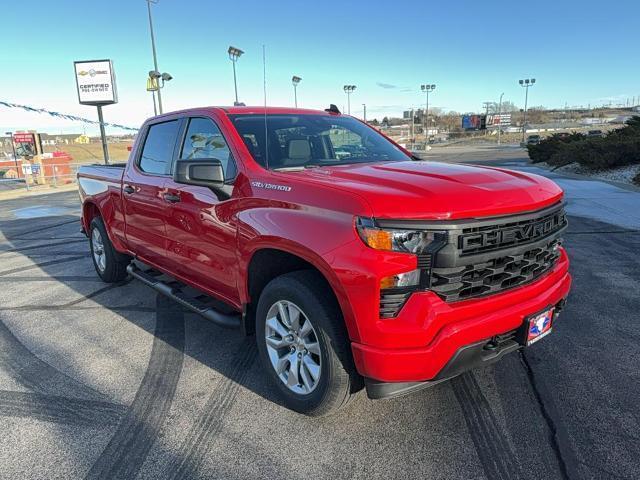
(270, 186)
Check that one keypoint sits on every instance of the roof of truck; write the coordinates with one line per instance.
(256, 110)
(262, 110)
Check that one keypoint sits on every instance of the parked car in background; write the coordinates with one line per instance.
(595, 133)
(533, 139)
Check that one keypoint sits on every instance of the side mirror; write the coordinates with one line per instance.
(206, 173)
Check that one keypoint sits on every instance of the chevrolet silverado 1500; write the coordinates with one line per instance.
(354, 263)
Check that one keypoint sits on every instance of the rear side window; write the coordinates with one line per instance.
(157, 152)
(204, 141)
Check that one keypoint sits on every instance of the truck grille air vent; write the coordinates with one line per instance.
(493, 276)
(391, 303)
(424, 261)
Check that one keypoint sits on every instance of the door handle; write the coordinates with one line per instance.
(171, 198)
(128, 189)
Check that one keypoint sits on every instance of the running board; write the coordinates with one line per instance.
(150, 279)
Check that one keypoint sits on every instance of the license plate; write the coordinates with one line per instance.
(538, 326)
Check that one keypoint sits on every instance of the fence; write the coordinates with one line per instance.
(30, 176)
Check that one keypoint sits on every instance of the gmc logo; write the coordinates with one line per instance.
(512, 235)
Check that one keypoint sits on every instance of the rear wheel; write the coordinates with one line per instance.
(303, 344)
(110, 265)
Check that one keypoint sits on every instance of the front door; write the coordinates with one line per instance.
(145, 195)
(201, 228)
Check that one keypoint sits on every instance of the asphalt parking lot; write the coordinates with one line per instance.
(114, 381)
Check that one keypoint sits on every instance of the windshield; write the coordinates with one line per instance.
(311, 140)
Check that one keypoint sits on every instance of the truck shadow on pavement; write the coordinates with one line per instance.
(55, 252)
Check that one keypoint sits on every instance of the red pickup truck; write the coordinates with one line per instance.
(353, 262)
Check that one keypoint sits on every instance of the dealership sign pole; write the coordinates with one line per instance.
(96, 83)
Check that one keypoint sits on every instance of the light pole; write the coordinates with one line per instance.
(427, 89)
(153, 48)
(526, 83)
(500, 117)
(234, 55)
(15, 157)
(295, 81)
(152, 86)
(348, 89)
(364, 112)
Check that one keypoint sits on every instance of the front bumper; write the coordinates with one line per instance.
(455, 326)
(475, 355)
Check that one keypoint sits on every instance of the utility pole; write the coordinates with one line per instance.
(153, 48)
(364, 112)
(526, 83)
(500, 117)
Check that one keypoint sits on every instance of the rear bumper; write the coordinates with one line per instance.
(464, 326)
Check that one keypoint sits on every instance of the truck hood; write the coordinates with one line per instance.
(432, 190)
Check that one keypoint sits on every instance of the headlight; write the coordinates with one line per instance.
(407, 241)
(401, 240)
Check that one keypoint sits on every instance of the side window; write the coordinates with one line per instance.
(157, 153)
(205, 141)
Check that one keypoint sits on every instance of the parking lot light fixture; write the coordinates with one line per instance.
(348, 89)
(154, 85)
(295, 81)
(427, 88)
(525, 83)
(234, 55)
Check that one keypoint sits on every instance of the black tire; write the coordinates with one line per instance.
(338, 380)
(115, 265)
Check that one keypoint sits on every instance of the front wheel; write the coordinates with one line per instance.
(110, 265)
(303, 344)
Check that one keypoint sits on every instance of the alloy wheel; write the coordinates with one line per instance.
(293, 348)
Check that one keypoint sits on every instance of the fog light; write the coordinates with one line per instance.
(407, 279)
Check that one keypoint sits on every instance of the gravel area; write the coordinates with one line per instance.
(619, 174)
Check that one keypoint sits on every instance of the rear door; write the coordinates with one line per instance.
(145, 194)
(201, 227)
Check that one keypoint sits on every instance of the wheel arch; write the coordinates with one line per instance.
(267, 262)
(89, 211)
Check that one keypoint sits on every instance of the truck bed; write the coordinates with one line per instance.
(112, 172)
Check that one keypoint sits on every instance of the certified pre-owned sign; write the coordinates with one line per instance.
(96, 82)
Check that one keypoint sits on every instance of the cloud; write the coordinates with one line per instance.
(386, 85)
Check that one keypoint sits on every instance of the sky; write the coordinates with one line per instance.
(581, 52)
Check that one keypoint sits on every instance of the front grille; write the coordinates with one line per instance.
(478, 257)
(495, 275)
(492, 237)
